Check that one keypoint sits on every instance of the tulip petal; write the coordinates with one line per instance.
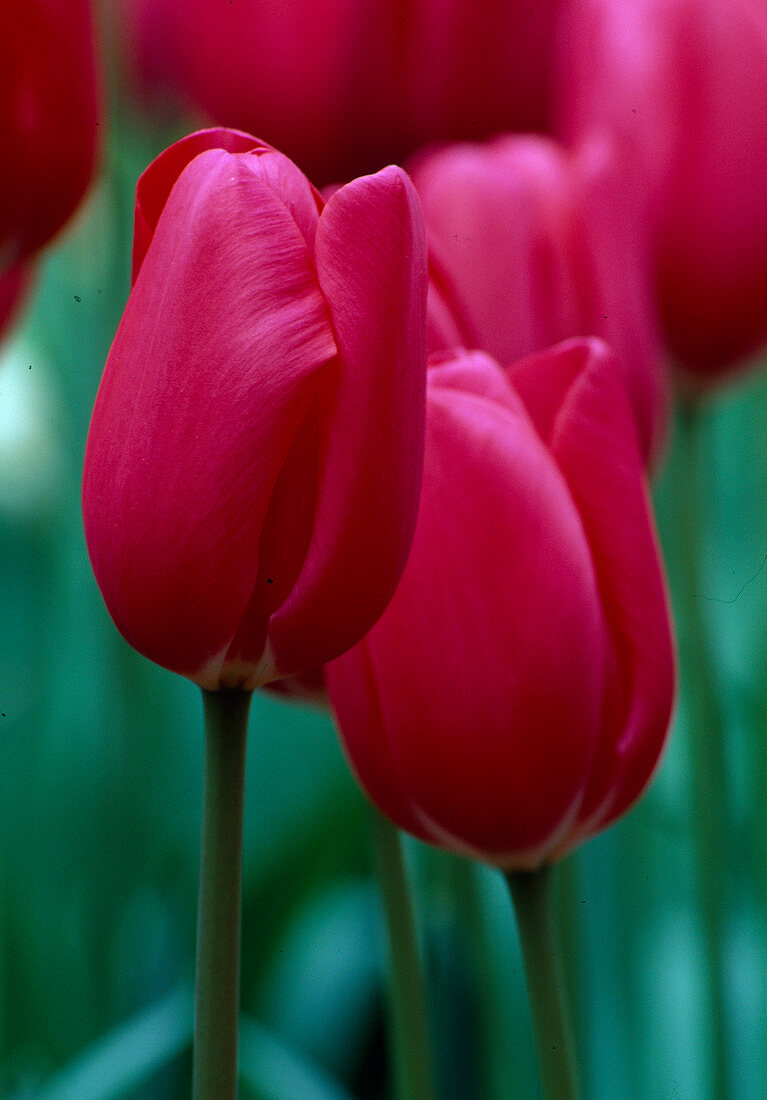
(474, 372)
(371, 264)
(290, 185)
(472, 730)
(579, 405)
(370, 751)
(212, 371)
(156, 183)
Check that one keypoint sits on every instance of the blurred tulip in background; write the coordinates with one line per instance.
(254, 459)
(683, 84)
(49, 117)
(515, 696)
(346, 86)
(532, 244)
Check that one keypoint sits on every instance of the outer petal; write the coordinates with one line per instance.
(291, 186)
(371, 264)
(157, 181)
(49, 114)
(578, 403)
(473, 705)
(211, 373)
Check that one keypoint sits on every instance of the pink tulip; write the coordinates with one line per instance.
(514, 697)
(531, 245)
(345, 86)
(254, 459)
(684, 84)
(49, 114)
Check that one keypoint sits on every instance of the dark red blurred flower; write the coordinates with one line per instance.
(683, 83)
(49, 114)
(514, 697)
(346, 86)
(531, 244)
(255, 454)
(14, 285)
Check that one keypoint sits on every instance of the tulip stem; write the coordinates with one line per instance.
(408, 1029)
(531, 895)
(706, 732)
(218, 924)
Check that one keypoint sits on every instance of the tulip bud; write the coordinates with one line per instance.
(683, 84)
(254, 460)
(515, 696)
(530, 245)
(48, 120)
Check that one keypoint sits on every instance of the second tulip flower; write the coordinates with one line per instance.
(515, 696)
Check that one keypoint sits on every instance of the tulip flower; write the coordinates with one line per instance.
(683, 84)
(49, 114)
(532, 244)
(345, 86)
(514, 697)
(254, 460)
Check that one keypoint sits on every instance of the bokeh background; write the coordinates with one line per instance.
(101, 774)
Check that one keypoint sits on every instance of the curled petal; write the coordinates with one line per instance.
(157, 182)
(371, 264)
(575, 396)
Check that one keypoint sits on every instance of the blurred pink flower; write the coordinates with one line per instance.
(683, 83)
(346, 86)
(49, 115)
(531, 244)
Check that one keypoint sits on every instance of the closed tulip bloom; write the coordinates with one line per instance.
(345, 86)
(254, 460)
(514, 697)
(531, 245)
(49, 114)
(683, 83)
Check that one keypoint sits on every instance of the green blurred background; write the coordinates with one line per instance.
(101, 774)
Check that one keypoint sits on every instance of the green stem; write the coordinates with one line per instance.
(706, 731)
(500, 1053)
(408, 1026)
(531, 895)
(218, 925)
